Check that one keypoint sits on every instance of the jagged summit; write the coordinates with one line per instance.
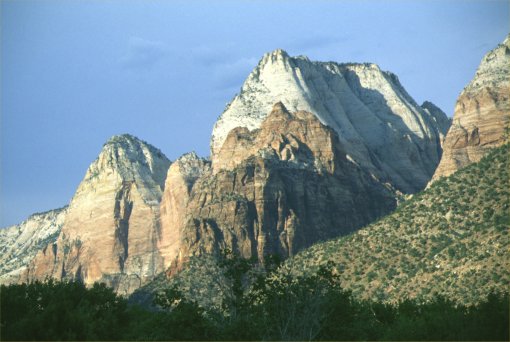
(122, 137)
(130, 157)
(111, 227)
(368, 108)
(494, 68)
(190, 166)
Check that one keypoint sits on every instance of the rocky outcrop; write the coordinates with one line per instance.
(182, 175)
(19, 244)
(278, 180)
(111, 229)
(275, 190)
(482, 114)
(379, 125)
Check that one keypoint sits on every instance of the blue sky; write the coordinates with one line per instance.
(74, 73)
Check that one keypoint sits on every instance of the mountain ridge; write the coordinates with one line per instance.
(364, 105)
(338, 146)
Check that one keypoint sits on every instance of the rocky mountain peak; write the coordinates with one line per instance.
(297, 139)
(368, 108)
(189, 166)
(130, 158)
(482, 113)
(276, 56)
(494, 68)
(274, 189)
(111, 227)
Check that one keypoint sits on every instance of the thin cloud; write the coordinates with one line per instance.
(143, 54)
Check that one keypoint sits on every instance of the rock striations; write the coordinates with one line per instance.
(273, 190)
(111, 229)
(20, 243)
(380, 126)
(306, 152)
(482, 113)
(181, 177)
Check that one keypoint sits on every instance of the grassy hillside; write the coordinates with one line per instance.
(451, 239)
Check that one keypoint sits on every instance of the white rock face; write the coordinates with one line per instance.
(380, 125)
(493, 71)
(20, 243)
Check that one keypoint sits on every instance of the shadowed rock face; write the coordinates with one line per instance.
(111, 228)
(482, 114)
(378, 124)
(276, 189)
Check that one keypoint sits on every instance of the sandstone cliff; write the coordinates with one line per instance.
(274, 190)
(482, 113)
(277, 182)
(380, 126)
(182, 175)
(19, 244)
(111, 229)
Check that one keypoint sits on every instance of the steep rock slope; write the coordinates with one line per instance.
(182, 175)
(452, 239)
(380, 126)
(482, 113)
(111, 228)
(20, 243)
(274, 190)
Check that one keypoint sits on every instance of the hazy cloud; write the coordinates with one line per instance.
(143, 54)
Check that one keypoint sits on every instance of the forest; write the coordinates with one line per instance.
(263, 306)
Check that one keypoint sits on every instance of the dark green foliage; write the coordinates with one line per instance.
(179, 319)
(264, 306)
(61, 311)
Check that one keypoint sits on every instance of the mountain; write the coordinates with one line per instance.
(19, 244)
(380, 126)
(274, 190)
(482, 113)
(451, 239)
(111, 227)
(308, 151)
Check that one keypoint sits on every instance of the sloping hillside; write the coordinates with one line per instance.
(451, 239)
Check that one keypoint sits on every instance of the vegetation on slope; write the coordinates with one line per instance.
(274, 308)
(451, 239)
